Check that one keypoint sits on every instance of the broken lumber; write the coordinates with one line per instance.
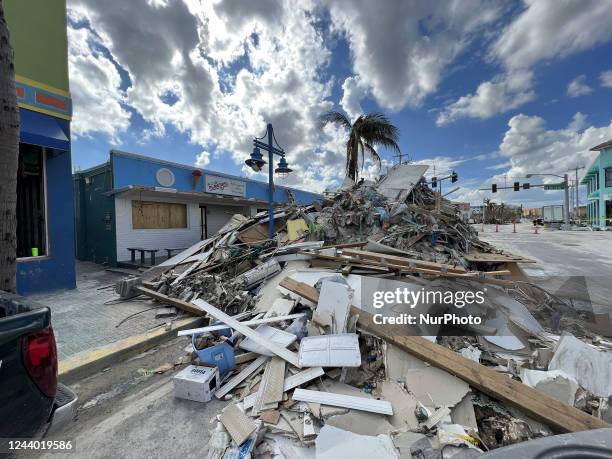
(291, 382)
(556, 414)
(246, 322)
(283, 353)
(182, 305)
(404, 261)
(244, 374)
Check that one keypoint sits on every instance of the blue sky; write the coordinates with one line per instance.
(484, 88)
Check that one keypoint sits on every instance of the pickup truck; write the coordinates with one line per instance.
(31, 399)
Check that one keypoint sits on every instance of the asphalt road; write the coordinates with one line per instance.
(129, 412)
(572, 264)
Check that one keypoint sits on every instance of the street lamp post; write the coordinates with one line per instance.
(566, 221)
(256, 162)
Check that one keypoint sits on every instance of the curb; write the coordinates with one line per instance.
(87, 363)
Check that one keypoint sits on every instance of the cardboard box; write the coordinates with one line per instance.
(197, 383)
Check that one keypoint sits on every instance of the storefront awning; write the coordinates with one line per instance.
(44, 130)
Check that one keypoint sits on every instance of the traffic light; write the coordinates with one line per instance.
(434, 182)
(494, 188)
(454, 177)
(525, 186)
(517, 186)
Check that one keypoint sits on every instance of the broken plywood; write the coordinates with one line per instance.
(237, 424)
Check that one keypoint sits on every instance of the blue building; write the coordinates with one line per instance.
(598, 180)
(138, 201)
(45, 228)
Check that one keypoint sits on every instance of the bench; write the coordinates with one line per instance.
(175, 249)
(142, 254)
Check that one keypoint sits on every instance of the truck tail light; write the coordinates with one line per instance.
(40, 360)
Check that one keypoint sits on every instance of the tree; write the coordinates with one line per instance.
(9, 155)
(368, 131)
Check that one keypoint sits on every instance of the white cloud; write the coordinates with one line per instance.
(400, 50)
(439, 165)
(353, 91)
(220, 71)
(579, 122)
(499, 95)
(531, 148)
(95, 85)
(553, 28)
(578, 87)
(606, 78)
(543, 30)
(203, 159)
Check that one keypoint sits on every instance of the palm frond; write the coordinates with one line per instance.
(334, 117)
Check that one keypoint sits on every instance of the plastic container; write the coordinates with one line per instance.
(221, 355)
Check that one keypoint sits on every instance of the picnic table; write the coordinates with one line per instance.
(142, 251)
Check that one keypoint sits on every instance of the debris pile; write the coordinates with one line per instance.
(293, 346)
(493, 212)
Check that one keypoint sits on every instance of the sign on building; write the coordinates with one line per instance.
(222, 185)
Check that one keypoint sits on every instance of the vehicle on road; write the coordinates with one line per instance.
(32, 402)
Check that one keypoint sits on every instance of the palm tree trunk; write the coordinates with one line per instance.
(9, 155)
(353, 158)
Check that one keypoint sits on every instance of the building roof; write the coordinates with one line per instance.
(602, 146)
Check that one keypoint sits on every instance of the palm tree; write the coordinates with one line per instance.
(9, 154)
(368, 131)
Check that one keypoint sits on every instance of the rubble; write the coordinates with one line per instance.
(311, 373)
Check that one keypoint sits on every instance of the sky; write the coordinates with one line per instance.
(493, 90)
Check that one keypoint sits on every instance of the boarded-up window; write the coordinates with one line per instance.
(158, 215)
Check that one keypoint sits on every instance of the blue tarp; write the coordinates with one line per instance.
(44, 130)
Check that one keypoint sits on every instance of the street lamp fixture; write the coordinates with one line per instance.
(283, 168)
(256, 162)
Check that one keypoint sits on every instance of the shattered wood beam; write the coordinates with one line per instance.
(283, 353)
(404, 261)
(479, 276)
(556, 414)
(183, 305)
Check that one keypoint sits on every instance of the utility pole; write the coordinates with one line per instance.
(566, 219)
(577, 199)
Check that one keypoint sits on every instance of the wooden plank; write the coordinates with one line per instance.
(291, 382)
(480, 257)
(237, 424)
(244, 374)
(283, 353)
(183, 305)
(404, 261)
(246, 322)
(479, 276)
(556, 414)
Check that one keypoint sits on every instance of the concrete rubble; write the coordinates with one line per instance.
(316, 381)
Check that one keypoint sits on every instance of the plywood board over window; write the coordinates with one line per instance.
(158, 215)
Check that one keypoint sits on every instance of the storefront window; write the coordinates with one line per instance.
(158, 215)
(609, 177)
(31, 200)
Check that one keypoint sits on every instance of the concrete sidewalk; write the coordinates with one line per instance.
(86, 318)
